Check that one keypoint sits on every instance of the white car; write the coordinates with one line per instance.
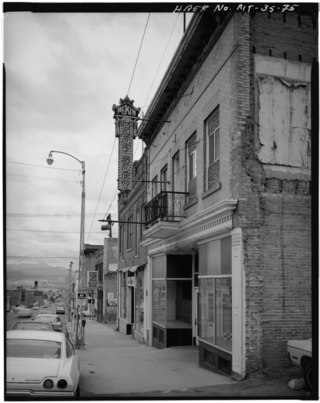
(50, 318)
(41, 364)
(300, 354)
(24, 313)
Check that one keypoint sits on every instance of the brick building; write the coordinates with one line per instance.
(102, 288)
(132, 277)
(228, 239)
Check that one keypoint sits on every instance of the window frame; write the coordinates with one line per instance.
(212, 142)
(129, 233)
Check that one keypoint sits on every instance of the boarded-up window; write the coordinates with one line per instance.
(284, 122)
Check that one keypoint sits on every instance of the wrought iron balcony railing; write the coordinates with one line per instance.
(165, 206)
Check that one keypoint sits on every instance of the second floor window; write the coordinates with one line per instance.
(191, 168)
(164, 178)
(175, 171)
(212, 132)
(154, 189)
(129, 233)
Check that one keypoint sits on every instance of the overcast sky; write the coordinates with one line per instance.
(64, 71)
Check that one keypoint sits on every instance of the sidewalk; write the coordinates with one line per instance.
(113, 364)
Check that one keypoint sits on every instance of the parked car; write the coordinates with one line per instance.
(41, 364)
(87, 313)
(300, 353)
(49, 318)
(24, 313)
(32, 325)
(60, 309)
(17, 308)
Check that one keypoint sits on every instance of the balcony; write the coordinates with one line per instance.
(163, 214)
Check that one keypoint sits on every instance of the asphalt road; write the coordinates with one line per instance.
(12, 317)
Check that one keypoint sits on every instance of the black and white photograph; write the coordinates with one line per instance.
(160, 201)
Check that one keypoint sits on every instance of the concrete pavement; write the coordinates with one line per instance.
(113, 364)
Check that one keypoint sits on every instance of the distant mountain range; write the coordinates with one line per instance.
(25, 274)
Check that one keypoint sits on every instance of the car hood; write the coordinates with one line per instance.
(31, 370)
(301, 344)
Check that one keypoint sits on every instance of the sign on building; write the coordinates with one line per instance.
(81, 298)
(126, 117)
(92, 279)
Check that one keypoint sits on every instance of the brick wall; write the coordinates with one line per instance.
(274, 214)
(286, 36)
(127, 207)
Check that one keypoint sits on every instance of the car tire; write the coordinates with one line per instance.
(308, 376)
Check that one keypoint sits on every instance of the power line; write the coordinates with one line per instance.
(55, 232)
(40, 166)
(104, 179)
(110, 204)
(134, 69)
(42, 257)
(42, 177)
(164, 52)
(45, 215)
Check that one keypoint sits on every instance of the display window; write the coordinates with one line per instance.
(172, 294)
(139, 302)
(123, 296)
(215, 325)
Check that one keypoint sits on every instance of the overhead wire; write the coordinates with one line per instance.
(163, 54)
(44, 215)
(40, 166)
(42, 177)
(141, 42)
(55, 232)
(104, 179)
(134, 69)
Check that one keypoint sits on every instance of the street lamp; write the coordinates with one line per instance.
(83, 195)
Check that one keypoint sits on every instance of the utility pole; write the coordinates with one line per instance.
(70, 292)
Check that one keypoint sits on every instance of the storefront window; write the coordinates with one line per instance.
(215, 312)
(215, 324)
(139, 300)
(123, 300)
(179, 302)
(159, 301)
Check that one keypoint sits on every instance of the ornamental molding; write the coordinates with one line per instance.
(209, 223)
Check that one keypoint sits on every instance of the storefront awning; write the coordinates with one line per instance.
(135, 268)
(125, 269)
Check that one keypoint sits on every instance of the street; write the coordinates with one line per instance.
(113, 364)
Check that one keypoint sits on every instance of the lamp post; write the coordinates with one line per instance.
(70, 292)
(83, 195)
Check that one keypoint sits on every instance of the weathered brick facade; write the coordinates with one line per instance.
(258, 191)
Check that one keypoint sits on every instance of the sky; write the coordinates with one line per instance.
(64, 72)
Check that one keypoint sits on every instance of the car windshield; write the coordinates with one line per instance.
(32, 326)
(46, 319)
(29, 348)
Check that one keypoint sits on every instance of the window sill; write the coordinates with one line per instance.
(191, 203)
(214, 189)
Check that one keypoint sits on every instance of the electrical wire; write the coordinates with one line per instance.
(134, 69)
(105, 216)
(104, 179)
(164, 52)
(55, 232)
(41, 257)
(42, 177)
(45, 215)
(40, 166)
